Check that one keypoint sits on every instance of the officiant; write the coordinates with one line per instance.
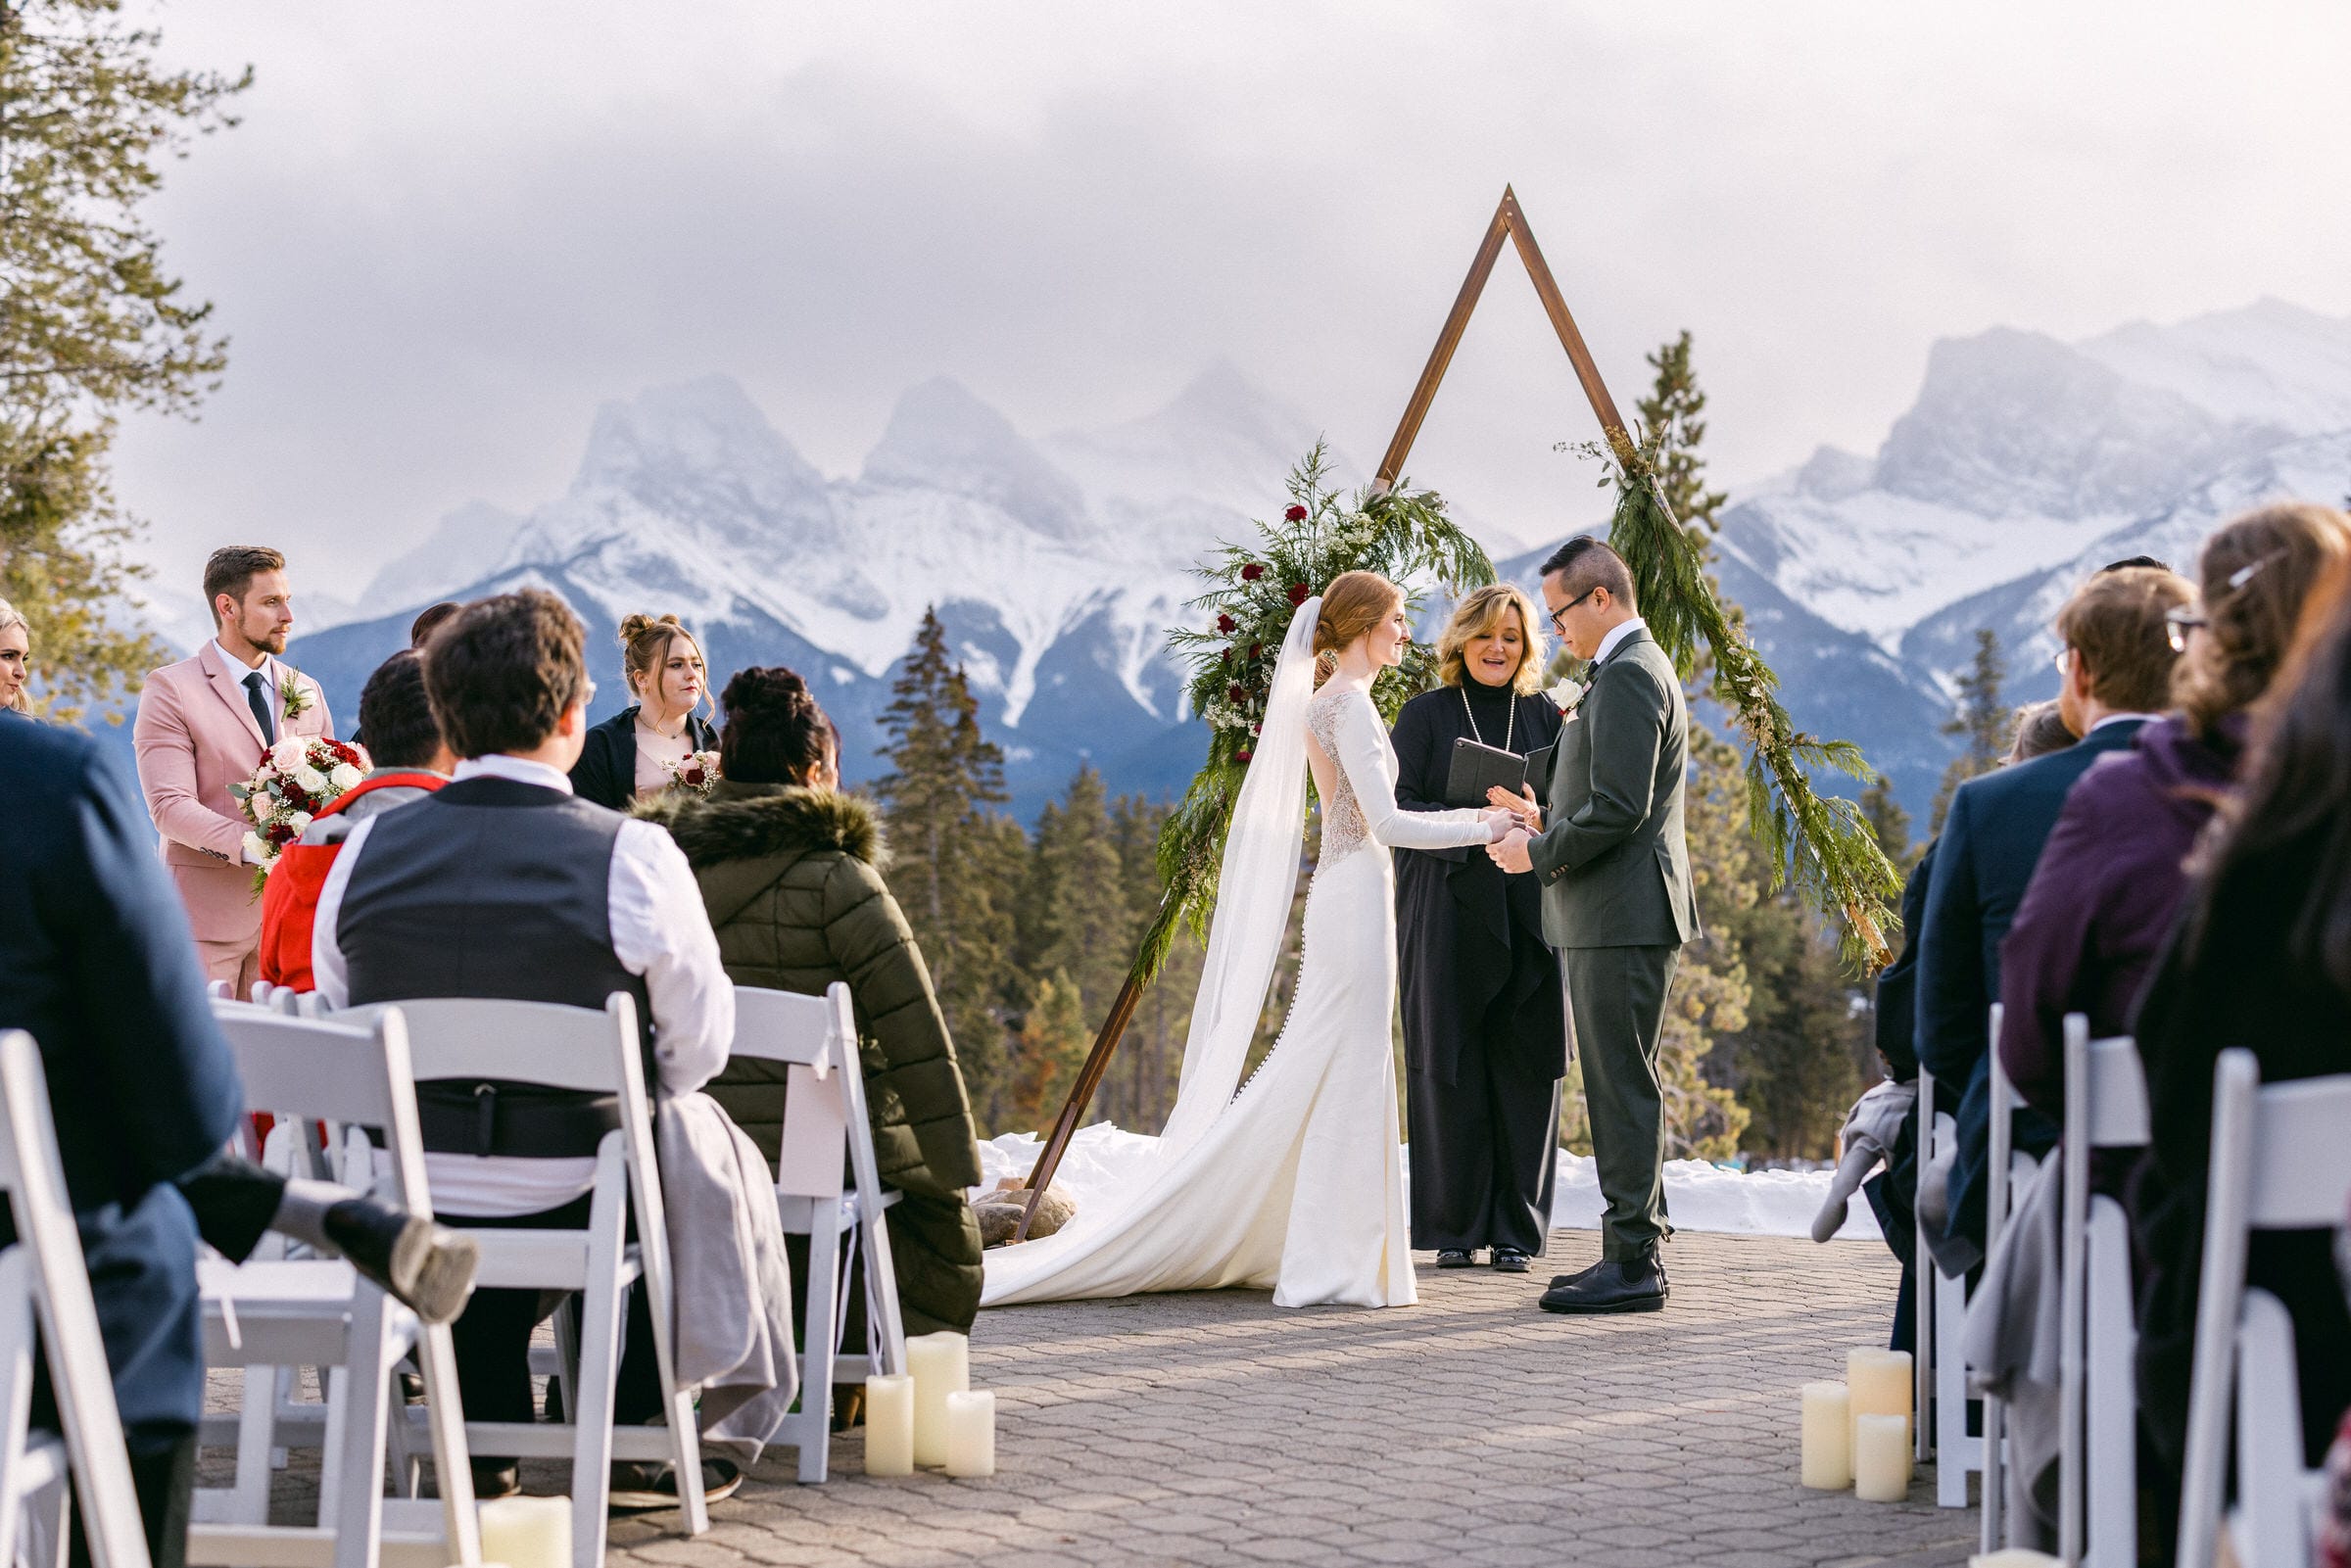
(1485, 1036)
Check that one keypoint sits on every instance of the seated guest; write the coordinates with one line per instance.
(791, 872)
(411, 761)
(581, 902)
(2039, 730)
(2102, 899)
(16, 659)
(2116, 663)
(2261, 961)
(631, 755)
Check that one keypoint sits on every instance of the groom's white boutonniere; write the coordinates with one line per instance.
(1568, 695)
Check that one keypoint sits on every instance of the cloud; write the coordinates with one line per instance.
(447, 231)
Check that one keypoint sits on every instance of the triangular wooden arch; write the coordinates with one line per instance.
(1510, 222)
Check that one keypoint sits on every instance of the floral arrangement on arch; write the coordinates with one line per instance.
(294, 782)
(1253, 592)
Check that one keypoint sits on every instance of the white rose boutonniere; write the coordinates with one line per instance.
(1568, 695)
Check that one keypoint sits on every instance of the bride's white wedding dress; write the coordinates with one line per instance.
(1294, 1181)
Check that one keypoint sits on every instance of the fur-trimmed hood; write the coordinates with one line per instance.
(754, 822)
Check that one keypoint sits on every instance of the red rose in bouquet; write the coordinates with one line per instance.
(1296, 514)
(1298, 594)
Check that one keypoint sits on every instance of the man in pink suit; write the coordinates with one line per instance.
(203, 725)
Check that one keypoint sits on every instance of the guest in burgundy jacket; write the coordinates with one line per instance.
(2107, 888)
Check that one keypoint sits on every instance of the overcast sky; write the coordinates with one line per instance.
(445, 231)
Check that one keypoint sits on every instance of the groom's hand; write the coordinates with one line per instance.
(1525, 807)
(1509, 852)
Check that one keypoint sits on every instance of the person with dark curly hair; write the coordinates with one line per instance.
(791, 872)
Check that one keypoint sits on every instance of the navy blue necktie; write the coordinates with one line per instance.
(256, 685)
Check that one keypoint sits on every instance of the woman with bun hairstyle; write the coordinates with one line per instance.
(629, 756)
(791, 872)
(1485, 1030)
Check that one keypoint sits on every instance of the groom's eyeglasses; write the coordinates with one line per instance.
(1559, 629)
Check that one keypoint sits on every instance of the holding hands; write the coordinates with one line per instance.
(1510, 851)
(1513, 820)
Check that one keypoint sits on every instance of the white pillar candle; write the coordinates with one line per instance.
(1878, 1383)
(972, 1434)
(1828, 1452)
(2014, 1557)
(889, 1424)
(1881, 1458)
(941, 1364)
(527, 1532)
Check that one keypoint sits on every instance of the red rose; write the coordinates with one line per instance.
(1257, 651)
(1296, 514)
(1237, 692)
(281, 834)
(1243, 755)
(1253, 571)
(1298, 594)
(1226, 623)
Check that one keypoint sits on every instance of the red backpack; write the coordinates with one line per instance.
(290, 898)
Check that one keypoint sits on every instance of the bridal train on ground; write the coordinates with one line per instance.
(1294, 1181)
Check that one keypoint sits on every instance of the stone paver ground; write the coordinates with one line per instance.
(1472, 1428)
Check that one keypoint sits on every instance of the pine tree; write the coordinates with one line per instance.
(954, 857)
(1888, 822)
(1703, 1118)
(1673, 408)
(1048, 1051)
(1983, 719)
(91, 322)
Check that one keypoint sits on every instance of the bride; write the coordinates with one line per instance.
(1294, 1181)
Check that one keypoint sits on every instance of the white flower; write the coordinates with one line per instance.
(289, 753)
(345, 776)
(258, 851)
(299, 820)
(1566, 694)
(309, 780)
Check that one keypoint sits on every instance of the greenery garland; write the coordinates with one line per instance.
(1824, 846)
(1403, 534)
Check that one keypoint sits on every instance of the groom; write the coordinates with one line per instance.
(1617, 903)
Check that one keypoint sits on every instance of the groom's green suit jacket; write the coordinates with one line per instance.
(1614, 864)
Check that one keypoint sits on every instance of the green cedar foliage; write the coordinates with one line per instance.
(1984, 720)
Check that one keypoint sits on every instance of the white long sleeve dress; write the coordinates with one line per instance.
(1297, 1185)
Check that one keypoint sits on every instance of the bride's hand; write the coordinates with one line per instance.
(1499, 822)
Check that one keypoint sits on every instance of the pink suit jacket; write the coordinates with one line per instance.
(195, 736)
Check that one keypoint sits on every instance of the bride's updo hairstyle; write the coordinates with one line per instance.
(1353, 604)
(645, 641)
(775, 732)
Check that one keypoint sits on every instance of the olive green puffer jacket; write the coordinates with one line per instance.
(793, 880)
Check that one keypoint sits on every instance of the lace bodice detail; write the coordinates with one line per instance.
(1361, 807)
(1343, 827)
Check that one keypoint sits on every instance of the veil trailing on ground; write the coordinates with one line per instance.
(1254, 883)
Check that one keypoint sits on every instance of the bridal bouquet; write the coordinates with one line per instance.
(297, 777)
(696, 771)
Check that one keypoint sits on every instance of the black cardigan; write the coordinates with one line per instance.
(607, 771)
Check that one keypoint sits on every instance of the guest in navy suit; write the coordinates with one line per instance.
(97, 962)
(2116, 665)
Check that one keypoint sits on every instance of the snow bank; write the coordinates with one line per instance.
(1102, 1159)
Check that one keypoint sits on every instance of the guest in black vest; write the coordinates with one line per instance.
(2116, 662)
(631, 755)
(503, 884)
(1486, 1032)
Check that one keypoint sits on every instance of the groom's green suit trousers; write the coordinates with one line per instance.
(1616, 1009)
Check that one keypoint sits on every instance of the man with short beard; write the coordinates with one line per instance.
(205, 724)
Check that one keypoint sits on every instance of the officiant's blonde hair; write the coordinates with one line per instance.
(1480, 616)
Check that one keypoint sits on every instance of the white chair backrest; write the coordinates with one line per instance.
(352, 1072)
(34, 1182)
(2105, 1089)
(526, 1042)
(818, 1036)
(2279, 1161)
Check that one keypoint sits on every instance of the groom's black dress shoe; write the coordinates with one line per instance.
(1616, 1285)
(1510, 1260)
(1453, 1257)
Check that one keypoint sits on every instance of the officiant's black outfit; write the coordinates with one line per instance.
(1485, 1035)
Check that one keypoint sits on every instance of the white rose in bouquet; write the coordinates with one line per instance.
(257, 850)
(345, 778)
(310, 781)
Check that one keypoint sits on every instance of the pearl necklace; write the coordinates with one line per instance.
(1510, 729)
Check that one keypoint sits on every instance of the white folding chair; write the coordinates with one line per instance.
(2105, 1108)
(599, 1053)
(270, 1315)
(2007, 1172)
(1923, 1281)
(825, 1128)
(1958, 1452)
(2279, 1161)
(44, 1276)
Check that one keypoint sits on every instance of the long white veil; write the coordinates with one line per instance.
(1254, 883)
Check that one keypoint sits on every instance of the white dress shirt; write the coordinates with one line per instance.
(1617, 634)
(660, 930)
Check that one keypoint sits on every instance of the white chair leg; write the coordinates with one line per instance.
(600, 1319)
(1995, 1478)
(48, 1523)
(1953, 1449)
(256, 1432)
(338, 1422)
(16, 1384)
(357, 1461)
(2110, 1476)
(819, 1334)
(460, 1524)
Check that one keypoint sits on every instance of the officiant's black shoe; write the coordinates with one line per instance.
(1617, 1285)
(427, 1268)
(1455, 1257)
(1512, 1261)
